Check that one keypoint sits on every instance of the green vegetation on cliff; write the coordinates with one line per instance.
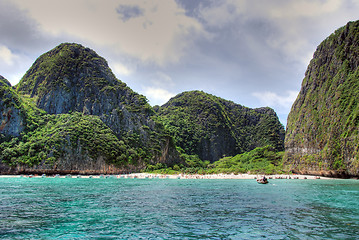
(48, 139)
(17, 114)
(261, 160)
(59, 66)
(211, 127)
(58, 134)
(9, 97)
(71, 78)
(322, 131)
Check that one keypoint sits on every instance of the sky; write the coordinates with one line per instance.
(252, 52)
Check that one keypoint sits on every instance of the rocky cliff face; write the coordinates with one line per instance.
(211, 127)
(79, 117)
(11, 117)
(322, 130)
(72, 78)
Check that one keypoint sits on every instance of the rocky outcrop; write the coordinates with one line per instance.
(72, 78)
(211, 127)
(322, 131)
(11, 118)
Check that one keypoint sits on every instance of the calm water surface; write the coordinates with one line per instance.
(63, 208)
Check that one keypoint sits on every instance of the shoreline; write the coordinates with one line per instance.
(175, 176)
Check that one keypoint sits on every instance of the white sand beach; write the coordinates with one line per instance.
(175, 176)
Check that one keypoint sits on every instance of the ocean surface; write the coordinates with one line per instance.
(100, 208)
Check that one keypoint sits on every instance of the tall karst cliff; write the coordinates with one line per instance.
(72, 78)
(211, 127)
(322, 131)
(79, 118)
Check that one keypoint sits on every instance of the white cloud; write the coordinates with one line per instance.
(281, 102)
(7, 56)
(160, 79)
(13, 66)
(121, 70)
(157, 92)
(293, 19)
(155, 31)
(14, 78)
(157, 96)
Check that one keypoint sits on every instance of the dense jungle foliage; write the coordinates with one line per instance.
(211, 127)
(48, 138)
(261, 160)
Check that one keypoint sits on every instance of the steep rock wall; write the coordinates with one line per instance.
(11, 118)
(322, 130)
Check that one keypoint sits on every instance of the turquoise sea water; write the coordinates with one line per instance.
(77, 208)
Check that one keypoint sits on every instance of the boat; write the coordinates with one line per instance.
(263, 180)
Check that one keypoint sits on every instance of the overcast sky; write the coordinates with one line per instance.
(252, 52)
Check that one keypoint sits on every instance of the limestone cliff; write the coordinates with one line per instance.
(11, 117)
(211, 127)
(322, 131)
(72, 78)
(76, 116)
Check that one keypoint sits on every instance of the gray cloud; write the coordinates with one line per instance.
(18, 31)
(127, 12)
